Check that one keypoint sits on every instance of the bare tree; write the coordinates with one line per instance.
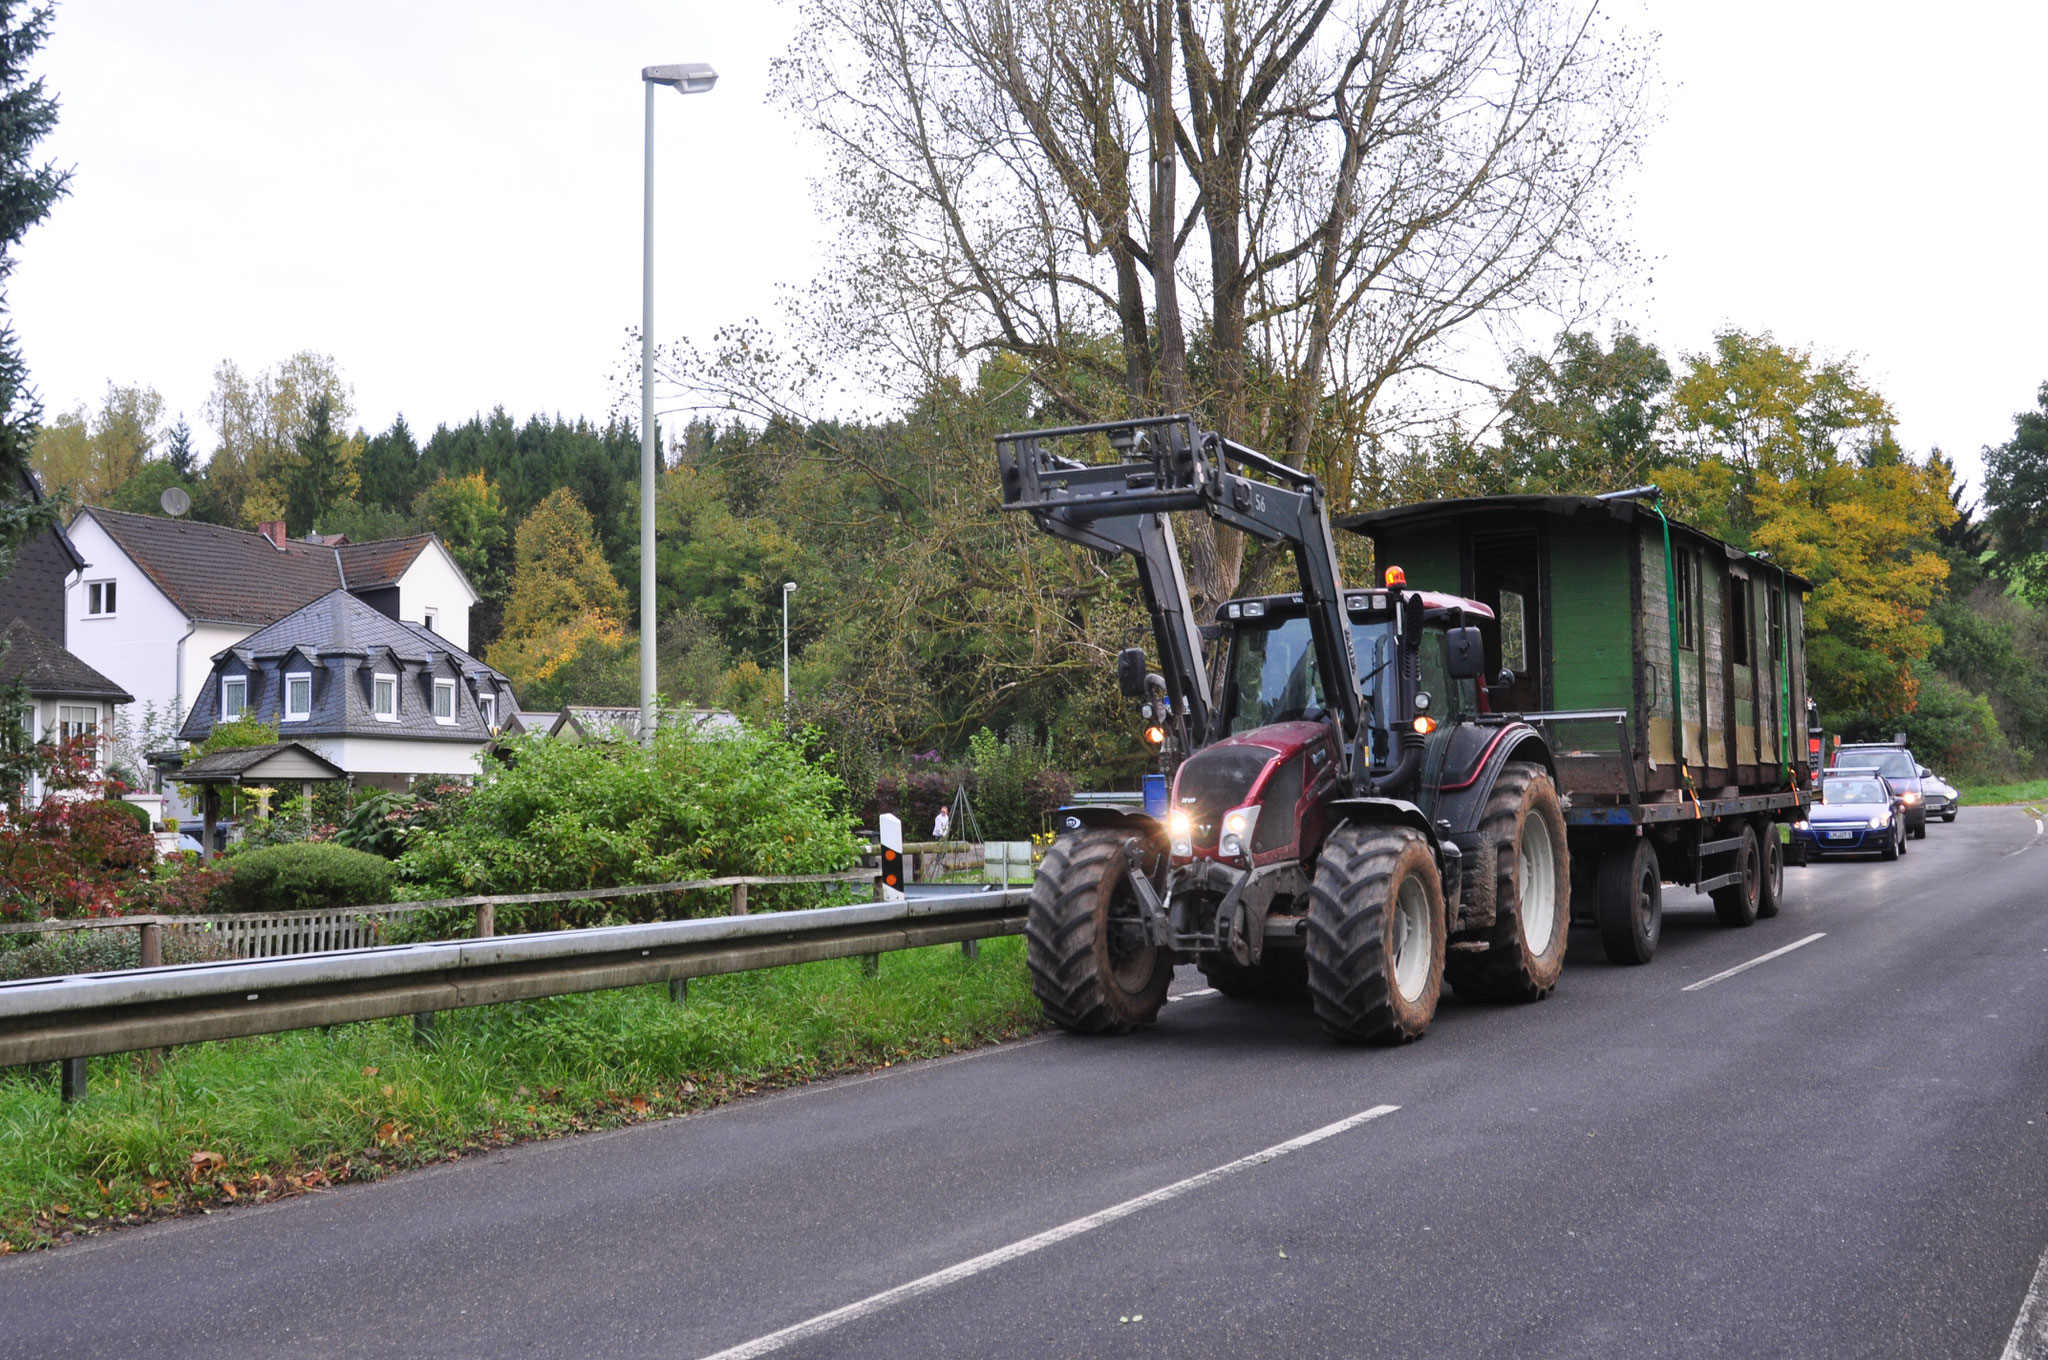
(1272, 210)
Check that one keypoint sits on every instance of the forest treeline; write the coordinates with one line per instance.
(923, 614)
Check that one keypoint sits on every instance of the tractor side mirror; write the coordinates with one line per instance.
(1505, 680)
(1130, 672)
(1464, 653)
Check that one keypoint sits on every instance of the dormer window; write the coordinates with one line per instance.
(384, 698)
(298, 697)
(99, 599)
(444, 702)
(234, 697)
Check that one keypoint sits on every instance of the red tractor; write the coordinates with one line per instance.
(1349, 818)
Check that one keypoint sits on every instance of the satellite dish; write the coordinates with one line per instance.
(175, 500)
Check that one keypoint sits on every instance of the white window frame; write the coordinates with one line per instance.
(487, 705)
(378, 680)
(297, 715)
(430, 619)
(447, 687)
(102, 592)
(229, 683)
(91, 727)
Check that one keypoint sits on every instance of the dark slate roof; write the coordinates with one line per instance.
(344, 643)
(44, 668)
(370, 565)
(285, 760)
(33, 485)
(223, 575)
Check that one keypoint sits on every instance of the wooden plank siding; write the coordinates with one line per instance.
(1588, 613)
(1431, 559)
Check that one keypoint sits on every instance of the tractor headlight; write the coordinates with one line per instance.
(1236, 840)
(1180, 834)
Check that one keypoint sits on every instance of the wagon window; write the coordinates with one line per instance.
(1738, 621)
(1514, 645)
(1688, 637)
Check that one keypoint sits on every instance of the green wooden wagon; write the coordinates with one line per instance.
(1675, 771)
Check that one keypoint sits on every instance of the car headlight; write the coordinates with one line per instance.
(1801, 826)
(1880, 821)
(1236, 840)
(1180, 833)
(1909, 797)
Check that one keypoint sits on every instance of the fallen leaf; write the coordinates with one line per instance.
(228, 1187)
(639, 1103)
(201, 1163)
(65, 1209)
(387, 1089)
(387, 1132)
(522, 1091)
(369, 1071)
(1283, 1255)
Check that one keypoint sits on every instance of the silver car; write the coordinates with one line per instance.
(1940, 798)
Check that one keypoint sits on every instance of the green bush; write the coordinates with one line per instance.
(613, 814)
(134, 810)
(306, 875)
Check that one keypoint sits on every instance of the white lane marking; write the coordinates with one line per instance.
(1190, 996)
(939, 1279)
(1761, 958)
(2029, 1339)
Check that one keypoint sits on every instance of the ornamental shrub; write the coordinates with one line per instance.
(304, 876)
(565, 815)
(135, 811)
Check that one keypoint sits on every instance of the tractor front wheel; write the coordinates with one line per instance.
(1525, 948)
(1091, 965)
(1375, 935)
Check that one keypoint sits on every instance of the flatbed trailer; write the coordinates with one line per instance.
(1666, 669)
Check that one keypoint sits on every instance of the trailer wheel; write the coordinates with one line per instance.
(1736, 904)
(1532, 919)
(1089, 976)
(1282, 975)
(1631, 902)
(1375, 941)
(1772, 890)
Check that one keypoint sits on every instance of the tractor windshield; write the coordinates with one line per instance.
(1274, 677)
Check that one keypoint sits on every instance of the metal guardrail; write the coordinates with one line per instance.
(72, 1018)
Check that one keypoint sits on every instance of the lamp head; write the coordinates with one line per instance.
(689, 77)
(788, 586)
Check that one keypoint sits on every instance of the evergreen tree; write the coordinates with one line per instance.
(178, 450)
(2016, 496)
(27, 193)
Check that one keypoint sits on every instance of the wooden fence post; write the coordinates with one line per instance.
(486, 920)
(152, 957)
(739, 899)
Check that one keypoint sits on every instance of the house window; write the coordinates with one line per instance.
(298, 697)
(431, 621)
(384, 698)
(1688, 636)
(234, 697)
(488, 705)
(444, 701)
(80, 722)
(99, 599)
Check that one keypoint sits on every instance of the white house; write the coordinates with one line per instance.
(159, 599)
(66, 699)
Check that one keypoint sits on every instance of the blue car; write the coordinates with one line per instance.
(1858, 812)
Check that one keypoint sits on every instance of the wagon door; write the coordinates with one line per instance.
(1507, 575)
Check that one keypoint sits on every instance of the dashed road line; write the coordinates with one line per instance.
(2029, 1339)
(1761, 958)
(1199, 991)
(939, 1279)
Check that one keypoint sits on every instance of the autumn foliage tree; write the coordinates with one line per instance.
(563, 597)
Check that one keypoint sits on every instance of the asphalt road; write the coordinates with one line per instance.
(1842, 1151)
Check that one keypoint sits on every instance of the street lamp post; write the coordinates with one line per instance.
(693, 77)
(787, 587)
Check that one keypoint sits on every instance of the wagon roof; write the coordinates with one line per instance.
(1373, 522)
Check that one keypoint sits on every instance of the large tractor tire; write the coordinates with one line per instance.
(1532, 916)
(1736, 904)
(1375, 941)
(1282, 975)
(1091, 977)
(1631, 901)
(1771, 895)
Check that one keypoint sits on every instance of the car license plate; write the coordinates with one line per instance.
(1840, 835)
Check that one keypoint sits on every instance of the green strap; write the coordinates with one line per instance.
(1784, 673)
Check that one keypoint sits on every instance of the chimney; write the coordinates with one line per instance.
(274, 531)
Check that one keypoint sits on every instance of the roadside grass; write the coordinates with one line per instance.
(2031, 791)
(258, 1119)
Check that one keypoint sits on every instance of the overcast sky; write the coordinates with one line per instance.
(445, 195)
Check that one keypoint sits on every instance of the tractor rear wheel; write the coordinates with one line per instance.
(1525, 947)
(1092, 968)
(1631, 901)
(1375, 935)
(1736, 903)
(1282, 975)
